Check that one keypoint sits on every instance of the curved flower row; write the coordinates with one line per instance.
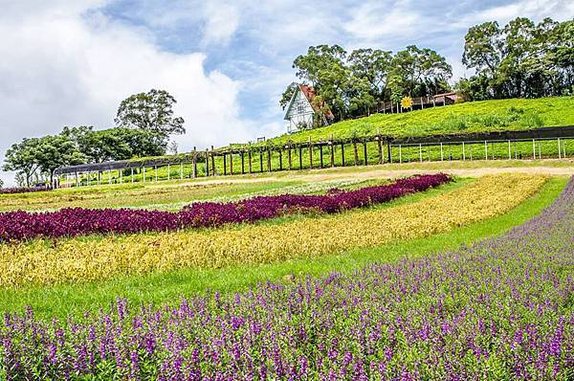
(79, 260)
(500, 310)
(21, 225)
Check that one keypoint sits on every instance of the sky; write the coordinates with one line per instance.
(71, 62)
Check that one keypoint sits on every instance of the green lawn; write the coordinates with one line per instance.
(493, 115)
(169, 287)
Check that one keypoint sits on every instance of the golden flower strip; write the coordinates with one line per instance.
(98, 258)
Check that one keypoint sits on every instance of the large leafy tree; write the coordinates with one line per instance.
(372, 65)
(418, 72)
(54, 151)
(522, 59)
(152, 112)
(21, 157)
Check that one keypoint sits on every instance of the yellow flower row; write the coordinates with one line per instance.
(89, 259)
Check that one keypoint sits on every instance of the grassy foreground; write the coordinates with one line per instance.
(169, 287)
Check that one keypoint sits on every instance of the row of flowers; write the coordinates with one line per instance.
(21, 225)
(499, 310)
(23, 190)
(78, 260)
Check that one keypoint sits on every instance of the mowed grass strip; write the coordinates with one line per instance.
(161, 288)
(46, 262)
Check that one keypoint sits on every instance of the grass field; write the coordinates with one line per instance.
(493, 115)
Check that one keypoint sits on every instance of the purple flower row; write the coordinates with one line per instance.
(21, 225)
(501, 309)
(23, 190)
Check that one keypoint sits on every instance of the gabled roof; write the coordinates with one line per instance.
(309, 93)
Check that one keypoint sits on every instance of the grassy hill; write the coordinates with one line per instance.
(484, 116)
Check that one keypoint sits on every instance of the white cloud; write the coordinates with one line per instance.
(375, 20)
(221, 23)
(60, 67)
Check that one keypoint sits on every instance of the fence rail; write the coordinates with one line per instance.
(548, 142)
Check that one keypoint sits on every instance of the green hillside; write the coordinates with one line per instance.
(484, 116)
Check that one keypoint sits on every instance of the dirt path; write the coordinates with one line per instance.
(554, 168)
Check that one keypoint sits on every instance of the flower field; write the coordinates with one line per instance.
(80, 260)
(501, 309)
(21, 225)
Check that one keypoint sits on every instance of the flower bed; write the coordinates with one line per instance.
(21, 225)
(78, 260)
(501, 309)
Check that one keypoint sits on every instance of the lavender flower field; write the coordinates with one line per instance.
(502, 309)
(22, 225)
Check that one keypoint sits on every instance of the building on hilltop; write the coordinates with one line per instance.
(305, 110)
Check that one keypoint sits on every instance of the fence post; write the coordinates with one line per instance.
(442, 152)
(321, 155)
(310, 147)
(559, 151)
(250, 157)
(280, 158)
(343, 154)
(300, 157)
(213, 170)
(533, 149)
(332, 152)
(400, 153)
(131, 173)
(389, 152)
(224, 164)
(509, 151)
(380, 146)
(463, 152)
(242, 162)
(420, 152)
(355, 152)
(485, 150)
(365, 153)
(289, 157)
(260, 160)
(268, 159)
(206, 162)
(231, 163)
(193, 162)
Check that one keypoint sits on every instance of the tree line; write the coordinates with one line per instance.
(521, 59)
(352, 84)
(144, 124)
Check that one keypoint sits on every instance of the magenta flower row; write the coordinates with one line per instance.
(21, 225)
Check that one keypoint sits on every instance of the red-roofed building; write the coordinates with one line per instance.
(304, 112)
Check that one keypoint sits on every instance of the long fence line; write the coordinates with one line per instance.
(548, 142)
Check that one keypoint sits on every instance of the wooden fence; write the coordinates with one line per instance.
(548, 142)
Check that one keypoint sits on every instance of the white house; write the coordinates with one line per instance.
(301, 111)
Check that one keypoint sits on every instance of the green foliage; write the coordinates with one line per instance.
(522, 59)
(352, 84)
(152, 112)
(484, 116)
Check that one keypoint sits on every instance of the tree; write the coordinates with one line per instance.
(152, 112)
(419, 72)
(523, 59)
(54, 151)
(21, 157)
(373, 66)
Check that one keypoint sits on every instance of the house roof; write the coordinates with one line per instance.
(309, 93)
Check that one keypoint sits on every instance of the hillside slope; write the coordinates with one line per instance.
(483, 116)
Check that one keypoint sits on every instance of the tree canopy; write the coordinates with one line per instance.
(353, 83)
(521, 59)
(152, 112)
